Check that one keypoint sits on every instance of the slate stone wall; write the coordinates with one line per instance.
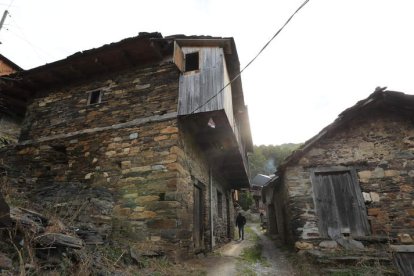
(110, 183)
(221, 216)
(380, 146)
(195, 169)
(119, 171)
(9, 130)
(128, 95)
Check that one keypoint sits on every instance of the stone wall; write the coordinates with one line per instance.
(221, 215)
(110, 169)
(280, 212)
(196, 169)
(9, 130)
(122, 170)
(137, 93)
(380, 146)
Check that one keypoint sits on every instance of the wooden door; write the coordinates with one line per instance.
(339, 203)
(198, 218)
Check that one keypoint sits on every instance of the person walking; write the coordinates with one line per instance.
(240, 222)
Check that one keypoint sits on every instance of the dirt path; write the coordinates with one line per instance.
(227, 261)
(223, 261)
(276, 259)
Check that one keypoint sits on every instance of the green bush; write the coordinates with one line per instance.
(245, 200)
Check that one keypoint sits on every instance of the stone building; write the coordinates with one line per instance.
(140, 141)
(9, 120)
(354, 180)
(257, 184)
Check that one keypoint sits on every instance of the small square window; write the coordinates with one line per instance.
(94, 97)
(191, 62)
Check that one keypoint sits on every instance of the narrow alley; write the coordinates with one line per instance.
(256, 255)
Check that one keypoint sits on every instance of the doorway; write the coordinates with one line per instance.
(198, 229)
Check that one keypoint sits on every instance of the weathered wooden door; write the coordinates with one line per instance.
(404, 261)
(339, 203)
(198, 217)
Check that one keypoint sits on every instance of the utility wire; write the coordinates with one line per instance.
(21, 35)
(10, 4)
(251, 61)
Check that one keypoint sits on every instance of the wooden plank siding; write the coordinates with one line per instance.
(405, 263)
(339, 203)
(178, 57)
(227, 100)
(197, 87)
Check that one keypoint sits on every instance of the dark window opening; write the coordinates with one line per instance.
(60, 148)
(95, 97)
(219, 204)
(191, 62)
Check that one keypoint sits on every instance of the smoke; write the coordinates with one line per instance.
(270, 167)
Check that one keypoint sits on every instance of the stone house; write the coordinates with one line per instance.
(9, 120)
(136, 141)
(353, 180)
(256, 187)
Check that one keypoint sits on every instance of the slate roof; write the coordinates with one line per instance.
(260, 180)
(139, 50)
(380, 98)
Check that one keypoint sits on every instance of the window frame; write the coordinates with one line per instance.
(90, 93)
(186, 70)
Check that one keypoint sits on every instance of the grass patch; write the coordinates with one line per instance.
(163, 267)
(250, 234)
(250, 260)
(308, 266)
(253, 255)
(246, 271)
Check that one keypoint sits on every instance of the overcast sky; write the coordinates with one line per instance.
(332, 54)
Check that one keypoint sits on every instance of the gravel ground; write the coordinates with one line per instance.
(226, 260)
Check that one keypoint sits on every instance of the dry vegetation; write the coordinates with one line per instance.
(27, 246)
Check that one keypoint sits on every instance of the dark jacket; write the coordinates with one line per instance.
(240, 221)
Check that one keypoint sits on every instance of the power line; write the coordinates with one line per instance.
(34, 48)
(10, 4)
(251, 61)
(23, 37)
